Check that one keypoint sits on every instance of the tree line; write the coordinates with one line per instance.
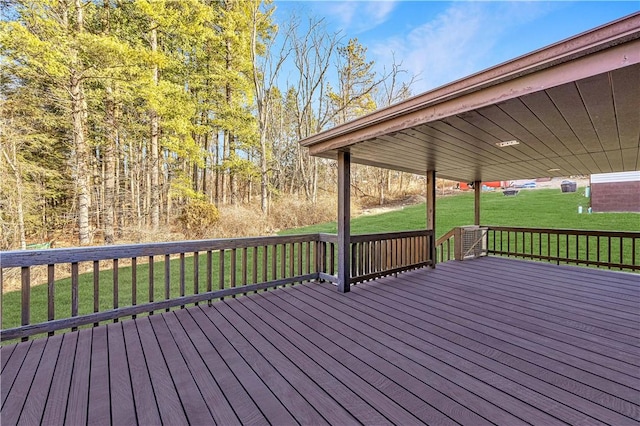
(119, 113)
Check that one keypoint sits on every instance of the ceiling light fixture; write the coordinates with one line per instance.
(553, 170)
(507, 143)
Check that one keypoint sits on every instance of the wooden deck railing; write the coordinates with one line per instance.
(445, 248)
(130, 280)
(602, 249)
(377, 255)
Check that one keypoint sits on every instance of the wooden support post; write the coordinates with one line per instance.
(344, 219)
(431, 213)
(477, 187)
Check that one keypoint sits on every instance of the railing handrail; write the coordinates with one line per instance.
(360, 238)
(446, 236)
(563, 231)
(24, 258)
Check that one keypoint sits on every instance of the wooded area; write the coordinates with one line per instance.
(140, 114)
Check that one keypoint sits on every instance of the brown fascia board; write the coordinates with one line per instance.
(604, 37)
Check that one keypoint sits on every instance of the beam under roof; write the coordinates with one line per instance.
(573, 108)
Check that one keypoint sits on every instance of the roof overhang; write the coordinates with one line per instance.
(573, 107)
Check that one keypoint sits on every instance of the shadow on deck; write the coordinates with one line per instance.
(476, 342)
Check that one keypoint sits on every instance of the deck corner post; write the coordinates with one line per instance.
(431, 212)
(477, 188)
(344, 219)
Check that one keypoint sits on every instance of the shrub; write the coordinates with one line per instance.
(240, 221)
(198, 218)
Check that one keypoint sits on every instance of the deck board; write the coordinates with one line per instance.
(162, 381)
(557, 349)
(483, 356)
(16, 398)
(217, 371)
(376, 390)
(574, 319)
(6, 355)
(10, 372)
(193, 404)
(489, 341)
(146, 406)
(271, 407)
(99, 411)
(55, 410)
(39, 392)
(533, 344)
(539, 324)
(78, 400)
(275, 379)
(491, 403)
(288, 362)
(220, 409)
(122, 405)
(329, 374)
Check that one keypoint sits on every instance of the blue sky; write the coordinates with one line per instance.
(444, 41)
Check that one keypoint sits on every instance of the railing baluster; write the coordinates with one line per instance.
(74, 291)
(115, 286)
(25, 275)
(292, 259)
(388, 253)
(531, 245)
(300, 246)
(244, 266)
(209, 273)
(196, 273)
(232, 269)
(96, 288)
(621, 255)
(367, 257)
(283, 260)
(255, 266)
(332, 258)
(167, 278)
(221, 261)
(134, 282)
(588, 250)
(51, 293)
(265, 263)
(274, 259)
(609, 253)
(354, 262)
(151, 281)
(182, 278)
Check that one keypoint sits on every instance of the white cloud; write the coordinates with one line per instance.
(457, 42)
(356, 16)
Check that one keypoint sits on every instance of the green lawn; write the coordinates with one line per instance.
(531, 208)
(541, 208)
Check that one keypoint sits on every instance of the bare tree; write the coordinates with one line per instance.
(312, 55)
(267, 62)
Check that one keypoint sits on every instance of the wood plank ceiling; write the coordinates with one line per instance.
(577, 116)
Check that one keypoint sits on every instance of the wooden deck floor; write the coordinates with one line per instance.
(490, 341)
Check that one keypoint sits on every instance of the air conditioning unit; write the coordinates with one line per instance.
(470, 242)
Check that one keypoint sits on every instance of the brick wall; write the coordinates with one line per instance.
(615, 197)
